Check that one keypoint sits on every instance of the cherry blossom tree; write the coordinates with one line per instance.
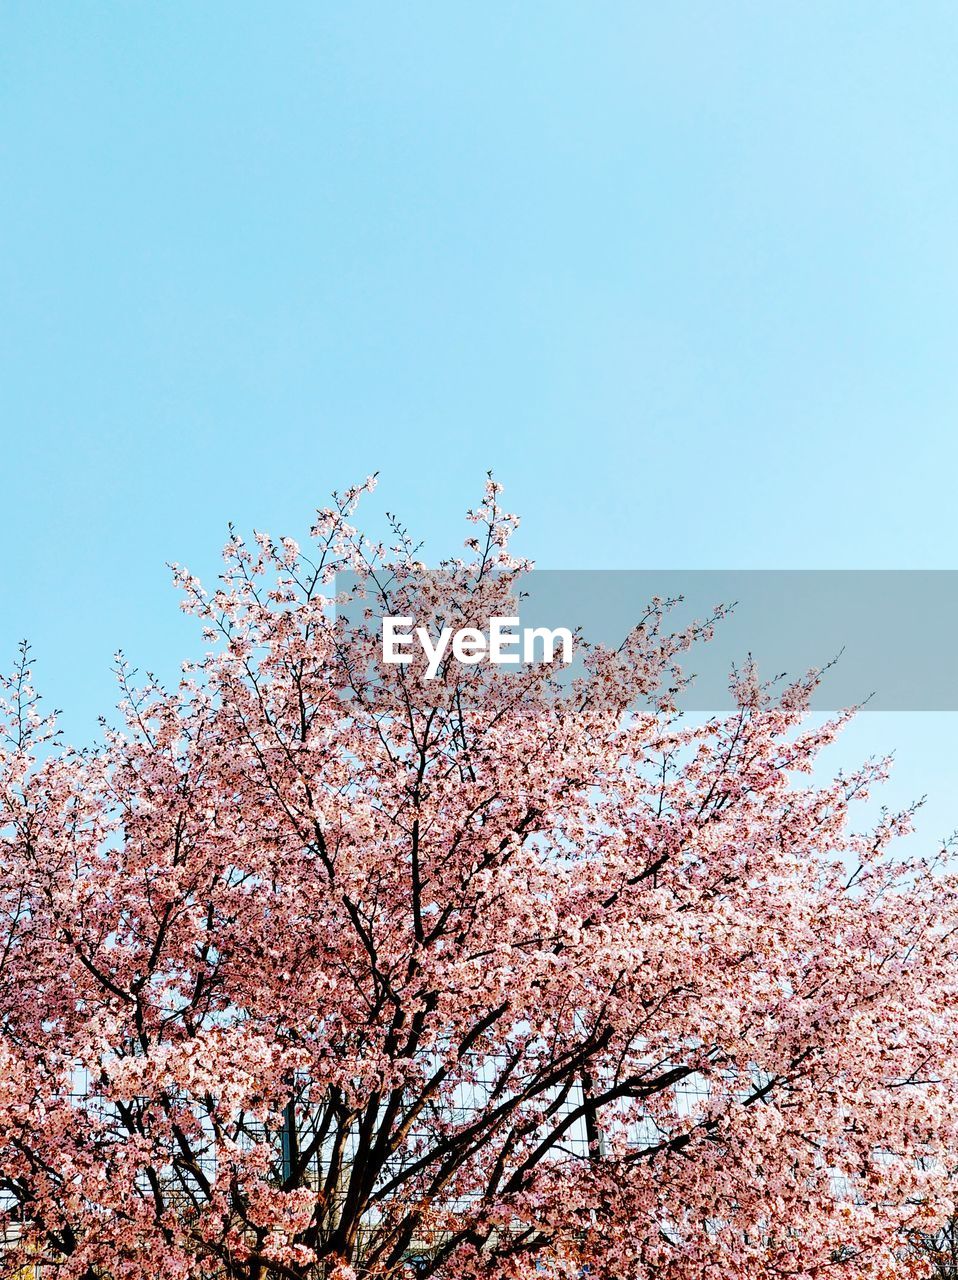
(316, 967)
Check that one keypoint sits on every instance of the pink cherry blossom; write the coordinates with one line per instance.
(318, 968)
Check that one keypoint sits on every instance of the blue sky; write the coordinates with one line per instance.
(684, 275)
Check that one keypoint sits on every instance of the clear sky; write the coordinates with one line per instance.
(684, 274)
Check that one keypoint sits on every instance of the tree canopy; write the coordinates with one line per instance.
(318, 968)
